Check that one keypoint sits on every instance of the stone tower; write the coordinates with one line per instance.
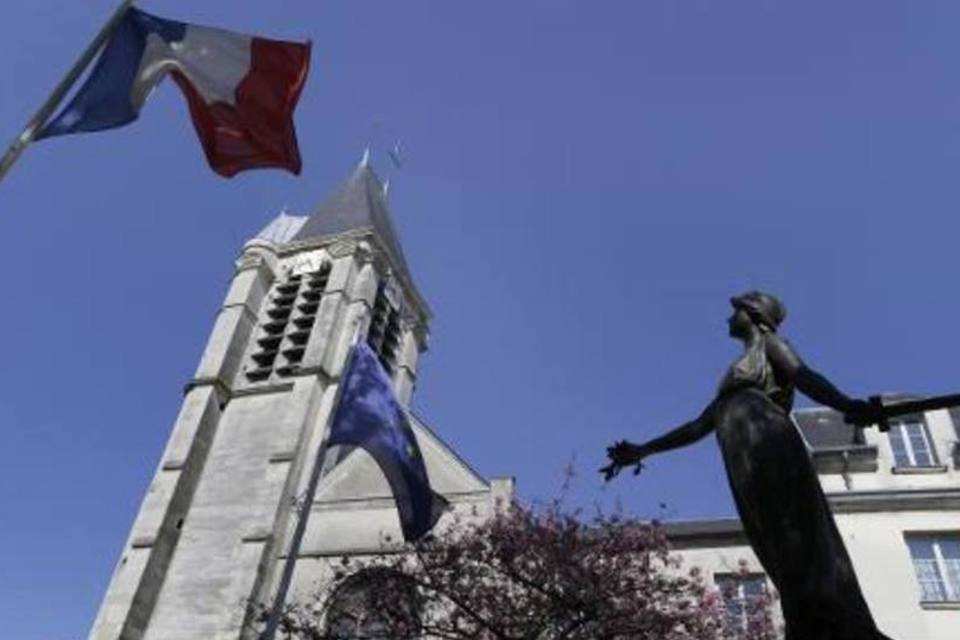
(215, 529)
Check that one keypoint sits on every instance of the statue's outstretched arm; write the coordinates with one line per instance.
(625, 453)
(812, 384)
(683, 435)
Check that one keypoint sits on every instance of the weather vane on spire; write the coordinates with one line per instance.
(394, 153)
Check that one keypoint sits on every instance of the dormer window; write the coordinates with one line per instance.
(910, 442)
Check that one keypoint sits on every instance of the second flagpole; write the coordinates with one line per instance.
(43, 114)
(303, 513)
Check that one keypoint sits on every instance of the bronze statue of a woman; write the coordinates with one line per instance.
(778, 496)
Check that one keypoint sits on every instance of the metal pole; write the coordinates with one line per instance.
(44, 112)
(286, 576)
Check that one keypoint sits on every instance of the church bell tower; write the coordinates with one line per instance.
(216, 527)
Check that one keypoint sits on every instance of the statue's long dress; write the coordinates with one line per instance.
(784, 512)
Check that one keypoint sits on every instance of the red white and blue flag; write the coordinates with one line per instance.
(241, 90)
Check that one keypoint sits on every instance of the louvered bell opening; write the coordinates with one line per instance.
(384, 333)
(304, 306)
(274, 327)
(391, 342)
(257, 375)
(270, 343)
(305, 320)
(272, 330)
(378, 322)
(294, 355)
(280, 313)
(265, 358)
(284, 301)
(289, 287)
(299, 337)
(318, 282)
(311, 295)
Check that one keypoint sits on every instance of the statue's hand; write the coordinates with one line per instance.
(622, 454)
(610, 471)
(862, 414)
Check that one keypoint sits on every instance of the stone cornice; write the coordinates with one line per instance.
(217, 383)
(851, 459)
(228, 393)
(343, 244)
(727, 532)
(693, 534)
(389, 502)
(896, 500)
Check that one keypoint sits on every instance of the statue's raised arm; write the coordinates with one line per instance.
(815, 385)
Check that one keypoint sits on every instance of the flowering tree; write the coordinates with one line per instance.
(527, 574)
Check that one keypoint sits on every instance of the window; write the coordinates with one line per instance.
(955, 418)
(936, 561)
(373, 603)
(910, 442)
(744, 596)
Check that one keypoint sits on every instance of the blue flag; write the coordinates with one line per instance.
(370, 417)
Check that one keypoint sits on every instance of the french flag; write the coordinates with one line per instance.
(241, 90)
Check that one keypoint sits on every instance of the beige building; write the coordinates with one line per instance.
(896, 500)
(218, 526)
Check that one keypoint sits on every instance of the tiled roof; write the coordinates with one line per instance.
(824, 428)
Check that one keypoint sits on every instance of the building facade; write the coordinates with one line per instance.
(216, 530)
(896, 500)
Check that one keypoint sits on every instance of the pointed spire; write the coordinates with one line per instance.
(359, 203)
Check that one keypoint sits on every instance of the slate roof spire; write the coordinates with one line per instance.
(358, 204)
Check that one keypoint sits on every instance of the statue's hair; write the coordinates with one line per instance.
(765, 309)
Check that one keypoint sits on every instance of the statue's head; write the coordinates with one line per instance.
(760, 309)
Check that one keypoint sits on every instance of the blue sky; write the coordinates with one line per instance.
(586, 185)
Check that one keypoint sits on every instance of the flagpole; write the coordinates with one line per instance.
(286, 577)
(46, 110)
